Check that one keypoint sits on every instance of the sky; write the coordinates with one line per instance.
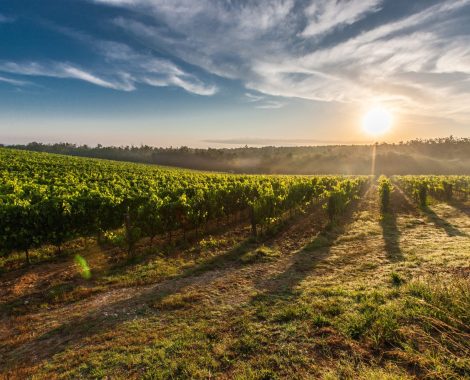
(232, 72)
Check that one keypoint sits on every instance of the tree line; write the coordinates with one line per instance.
(420, 156)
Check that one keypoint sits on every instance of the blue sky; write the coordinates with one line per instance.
(213, 73)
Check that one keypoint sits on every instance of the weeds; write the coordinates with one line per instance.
(261, 254)
(396, 279)
(427, 326)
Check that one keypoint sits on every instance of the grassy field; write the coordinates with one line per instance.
(373, 297)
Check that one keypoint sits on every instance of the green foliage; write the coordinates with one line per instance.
(49, 199)
(114, 238)
(422, 194)
(292, 312)
(319, 320)
(441, 187)
(341, 194)
(385, 189)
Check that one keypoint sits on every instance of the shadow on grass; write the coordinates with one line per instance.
(75, 288)
(307, 259)
(147, 250)
(461, 206)
(105, 317)
(442, 223)
(63, 292)
(391, 236)
(432, 216)
(303, 263)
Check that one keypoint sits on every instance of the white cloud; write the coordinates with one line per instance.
(73, 72)
(14, 82)
(126, 68)
(246, 17)
(326, 15)
(193, 86)
(263, 44)
(145, 68)
(253, 97)
(229, 41)
(456, 57)
(280, 48)
(60, 70)
(271, 104)
(264, 102)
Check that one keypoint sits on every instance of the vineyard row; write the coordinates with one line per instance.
(49, 199)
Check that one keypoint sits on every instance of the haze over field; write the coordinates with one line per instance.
(230, 73)
(435, 156)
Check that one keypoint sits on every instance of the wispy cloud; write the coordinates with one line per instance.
(264, 102)
(253, 97)
(61, 70)
(145, 68)
(326, 15)
(124, 70)
(411, 58)
(268, 46)
(14, 82)
(161, 74)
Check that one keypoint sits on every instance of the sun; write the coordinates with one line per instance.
(377, 121)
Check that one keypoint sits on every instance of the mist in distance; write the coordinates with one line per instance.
(434, 156)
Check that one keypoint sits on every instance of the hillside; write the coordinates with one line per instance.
(364, 293)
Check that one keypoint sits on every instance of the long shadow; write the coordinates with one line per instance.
(401, 203)
(462, 206)
(307, 259)
(31, 301)
(99, 320)
(147, 251)
(304, 262)
(390, 232)
(104, 318)
(391, 235)
(442, 223)
(436, 219)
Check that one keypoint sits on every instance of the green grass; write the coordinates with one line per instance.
(260, 254)
(423, 326)
(335, 306)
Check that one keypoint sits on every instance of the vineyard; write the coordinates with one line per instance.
(51, 199)
(155, 272)
(441, 187)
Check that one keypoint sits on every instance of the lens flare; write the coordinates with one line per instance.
(83, 266)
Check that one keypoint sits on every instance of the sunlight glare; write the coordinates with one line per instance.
(377, 121)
